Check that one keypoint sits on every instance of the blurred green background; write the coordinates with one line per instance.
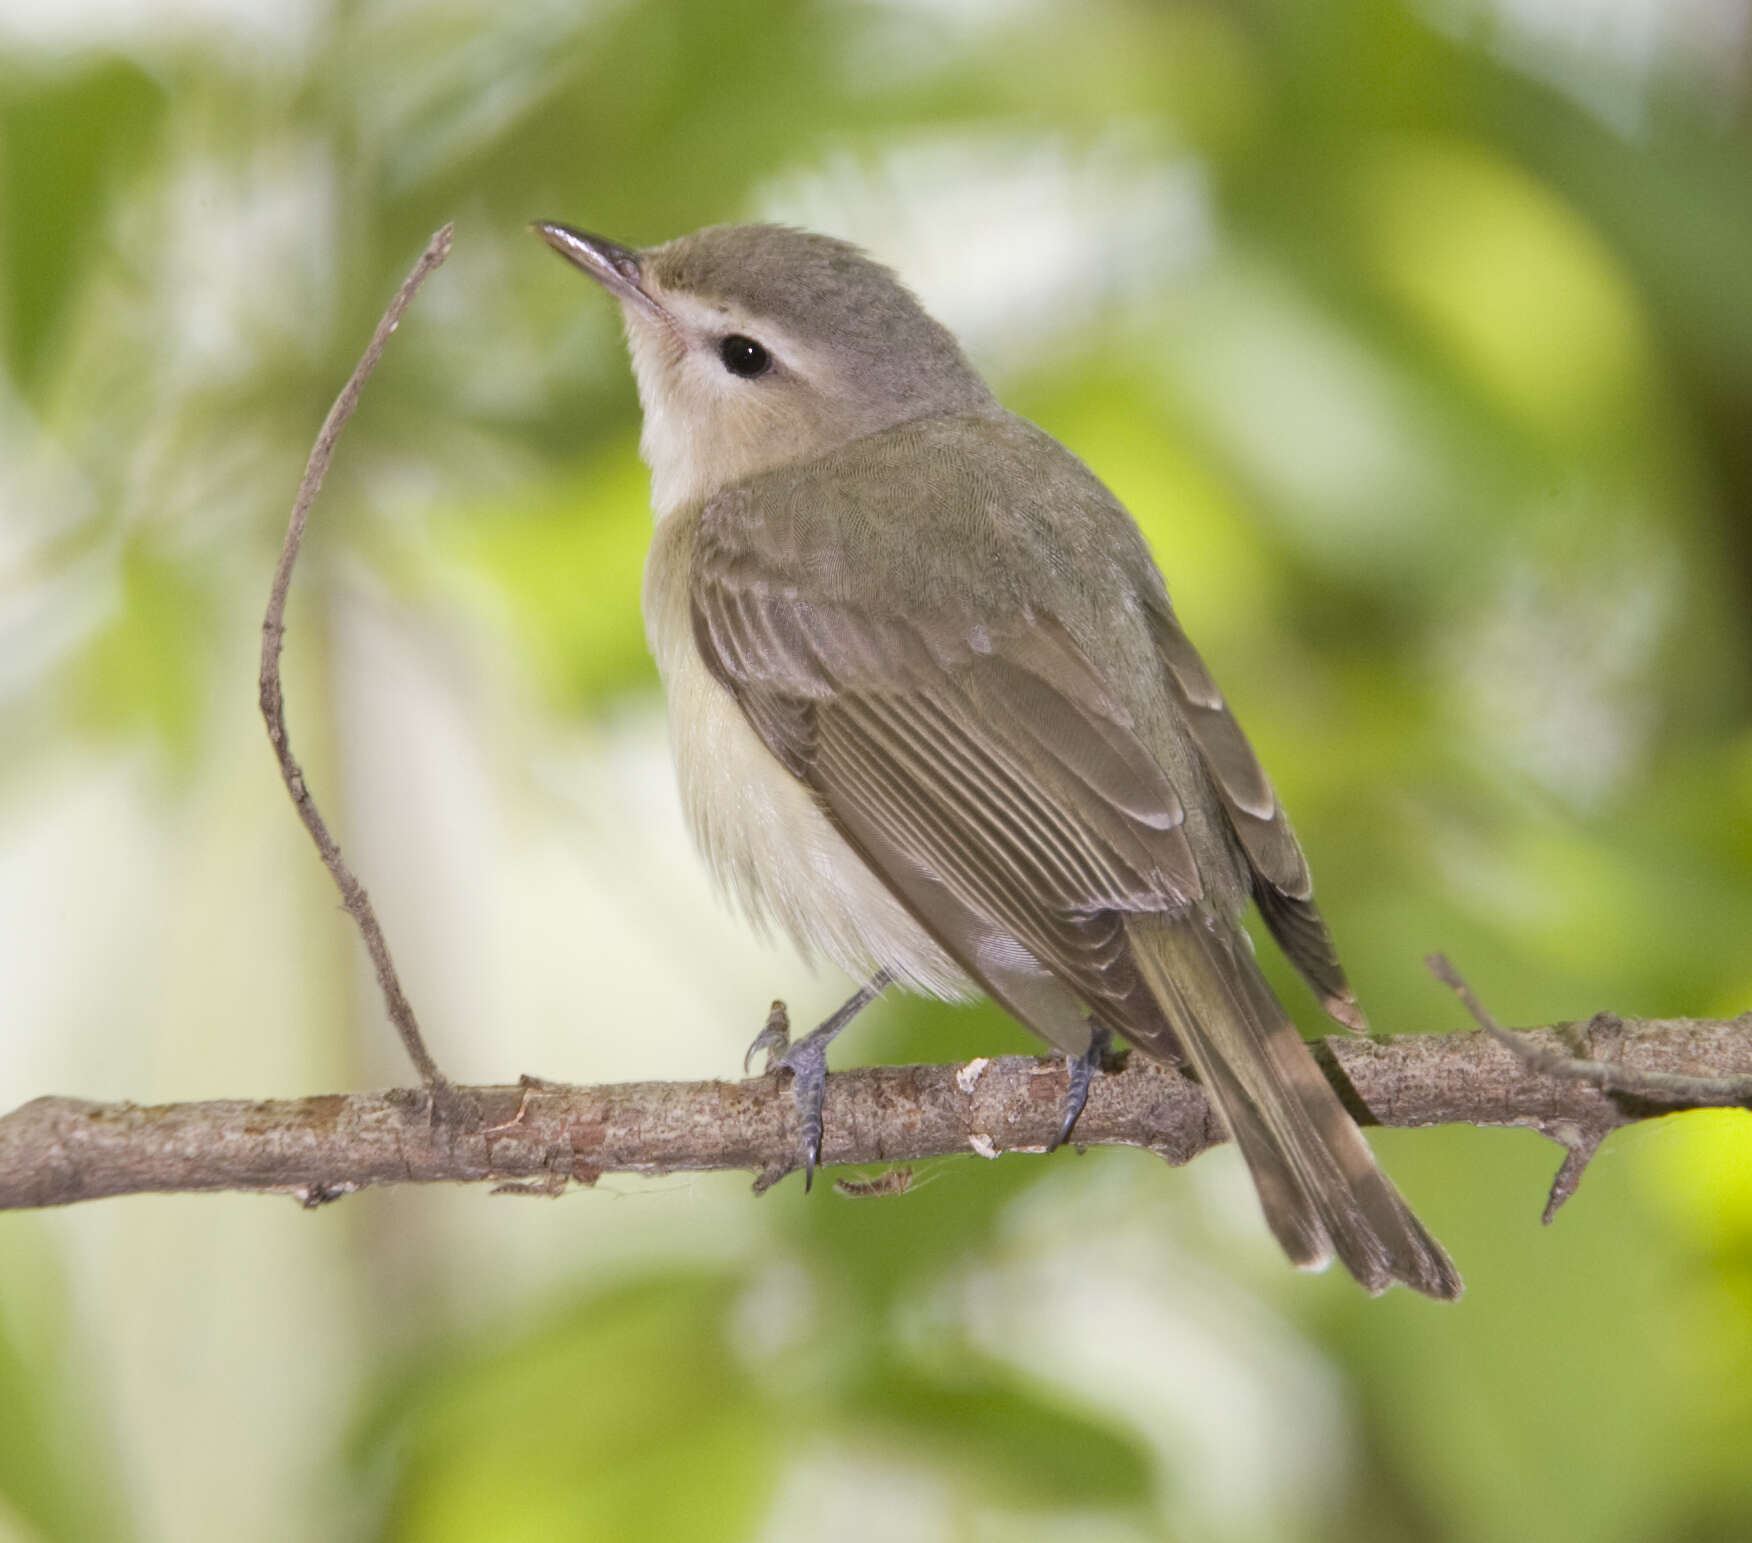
(1419, 338)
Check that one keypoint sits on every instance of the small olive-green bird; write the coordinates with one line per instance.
(933, 714)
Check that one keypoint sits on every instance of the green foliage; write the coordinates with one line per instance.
(550, 549)
(56, 1474)
(584, 1417)
(581, 1421)
(72, 139)
(142, 671)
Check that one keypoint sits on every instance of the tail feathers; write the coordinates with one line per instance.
(1317, 1179)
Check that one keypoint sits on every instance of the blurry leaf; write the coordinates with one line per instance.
(872, 1257)
(1554, 1376)
(1011, 1442)
(569, 560)
(27, 1454)
(1700, 1175)
(914, 1028)
(625, 1419)
(56, 1473)
(1527, 301)
(65, 141)
(147, 670)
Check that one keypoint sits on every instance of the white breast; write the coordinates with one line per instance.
(767, 841)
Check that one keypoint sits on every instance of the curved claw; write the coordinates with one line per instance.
(1081, 1069)
(774, 1038)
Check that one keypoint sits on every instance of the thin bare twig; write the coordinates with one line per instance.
(1609, 1076)
(1626, 1090)
(353, 896)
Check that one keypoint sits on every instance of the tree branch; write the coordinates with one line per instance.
(1660, 1085)
(542, 1137)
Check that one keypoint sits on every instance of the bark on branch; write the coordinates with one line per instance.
(542, 1137)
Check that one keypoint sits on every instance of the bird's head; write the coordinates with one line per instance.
(756, 346)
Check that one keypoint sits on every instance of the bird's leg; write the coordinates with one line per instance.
(1082, 1070)
(806, 1060)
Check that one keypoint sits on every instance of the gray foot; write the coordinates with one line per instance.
(1082, 1070)
(806, 1060)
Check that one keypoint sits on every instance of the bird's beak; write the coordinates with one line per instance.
(613, 266)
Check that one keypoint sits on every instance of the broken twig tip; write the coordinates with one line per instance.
(1579, 1147)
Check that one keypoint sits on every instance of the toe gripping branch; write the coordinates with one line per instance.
(806, 1060)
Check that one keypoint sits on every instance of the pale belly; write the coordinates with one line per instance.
(773, 850)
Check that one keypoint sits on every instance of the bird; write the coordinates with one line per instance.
(934, 715)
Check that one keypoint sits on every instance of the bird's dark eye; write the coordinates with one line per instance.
(743, 356)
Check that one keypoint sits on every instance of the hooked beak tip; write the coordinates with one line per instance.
(613, 266)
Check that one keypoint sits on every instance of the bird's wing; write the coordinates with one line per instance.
(979, 763)
(1283, 888)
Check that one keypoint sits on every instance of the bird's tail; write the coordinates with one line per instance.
(1317, 1179)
